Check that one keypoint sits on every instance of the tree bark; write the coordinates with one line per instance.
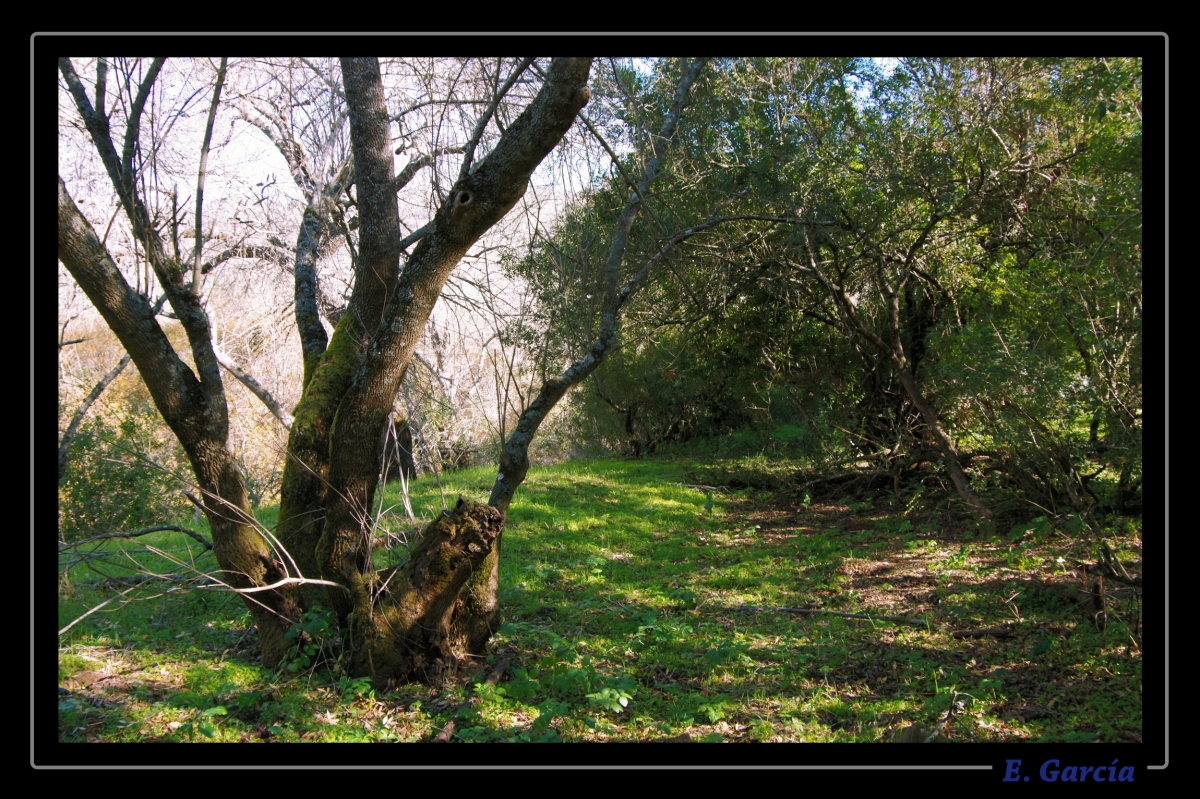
(415, 615)
(945, 445)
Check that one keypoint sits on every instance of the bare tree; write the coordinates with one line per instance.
(191, 402)
(398, 624)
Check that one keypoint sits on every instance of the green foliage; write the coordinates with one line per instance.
(119, 475)
(998, 200)
(1039, 528)
(564, 686)
(204, 723)
(713, 710)
(310, 635)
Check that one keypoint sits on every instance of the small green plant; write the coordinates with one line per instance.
(548, 711)
(914, 500)
(761, 730)
(310, 635)
(353, 687)
(683, 598)
(720, 653)
(957, 560)
(1021, 560)
(713, 710)
(204, 724)
(610, 698)
(1039, 529)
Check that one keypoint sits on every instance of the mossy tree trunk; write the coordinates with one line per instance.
(424, 617)
(440, 607)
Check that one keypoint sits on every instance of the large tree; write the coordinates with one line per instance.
(398, 624)
(440, 605)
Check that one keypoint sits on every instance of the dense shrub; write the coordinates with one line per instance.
(120, 475)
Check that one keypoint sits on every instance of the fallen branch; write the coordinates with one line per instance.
(277, 584)
(829, 478)
(1109, 565)
(93, 610)
(995, 632)
(144, 531)
(815, 611)
(1109, 573)
(443, 737)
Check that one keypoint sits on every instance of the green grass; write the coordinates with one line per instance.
(639, 608)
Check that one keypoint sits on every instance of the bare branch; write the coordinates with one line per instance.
(249, 251)
(208, 129)
(158, 528)
(405, 176)
(255, 387)
(514, 459)
(96, 608)
(485, 117)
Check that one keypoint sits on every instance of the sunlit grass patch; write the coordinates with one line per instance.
(639, 608)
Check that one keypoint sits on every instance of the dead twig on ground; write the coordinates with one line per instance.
(816, 611)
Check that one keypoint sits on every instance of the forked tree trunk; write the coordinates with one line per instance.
(191, 400)
(195, 411)
(441, 605)
(439, 609)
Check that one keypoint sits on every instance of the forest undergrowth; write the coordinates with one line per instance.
(651, 601)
